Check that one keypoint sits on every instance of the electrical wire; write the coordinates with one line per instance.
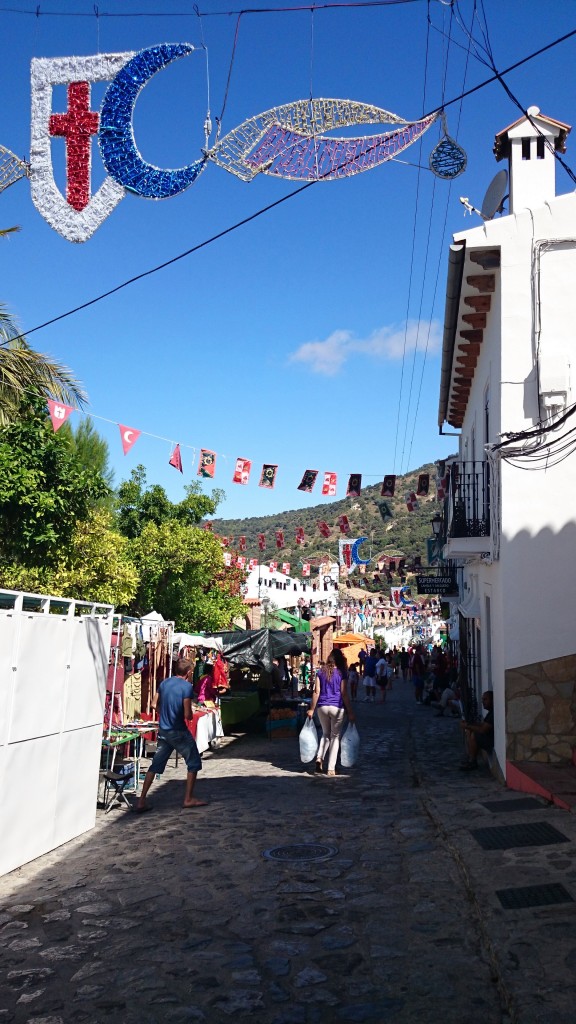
(438, 265)
(490, 62)
(38, 12)
(426, 253)
(411, 271)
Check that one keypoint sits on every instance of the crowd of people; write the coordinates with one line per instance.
(433, 673)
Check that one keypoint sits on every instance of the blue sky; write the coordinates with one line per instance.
(310, 337)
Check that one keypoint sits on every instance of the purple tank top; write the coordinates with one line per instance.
(330, 690)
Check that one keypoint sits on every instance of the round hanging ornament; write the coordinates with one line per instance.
(447, 159)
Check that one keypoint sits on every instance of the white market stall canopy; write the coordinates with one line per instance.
(181, 640)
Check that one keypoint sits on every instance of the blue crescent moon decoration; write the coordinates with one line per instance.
(355, 556)
(116, 134)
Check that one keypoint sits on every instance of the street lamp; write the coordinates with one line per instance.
(265, 602)
(436, 524)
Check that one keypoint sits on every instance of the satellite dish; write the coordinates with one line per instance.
(495, 196)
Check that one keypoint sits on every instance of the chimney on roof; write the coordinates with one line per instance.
(529, 145)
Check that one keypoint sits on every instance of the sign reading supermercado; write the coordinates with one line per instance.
(437, 584)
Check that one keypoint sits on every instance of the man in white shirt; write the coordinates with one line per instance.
(382, 676)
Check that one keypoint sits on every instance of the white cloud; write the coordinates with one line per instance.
(329, 356)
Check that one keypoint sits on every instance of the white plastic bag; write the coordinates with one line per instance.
(350, 746)
(308, 741)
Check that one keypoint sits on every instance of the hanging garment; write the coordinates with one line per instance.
(132, 696)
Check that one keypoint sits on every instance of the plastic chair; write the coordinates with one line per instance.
(114, 786)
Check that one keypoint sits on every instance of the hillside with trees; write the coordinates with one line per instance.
(402, 539)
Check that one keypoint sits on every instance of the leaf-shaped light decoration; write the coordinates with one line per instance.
(11, 168)
(447, 159)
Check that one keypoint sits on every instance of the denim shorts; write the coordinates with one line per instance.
(183, 743)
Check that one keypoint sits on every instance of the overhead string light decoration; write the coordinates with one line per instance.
(11, 168)
(287, 141)
(447, 159)
(116, 135)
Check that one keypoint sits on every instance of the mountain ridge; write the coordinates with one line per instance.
(405, 535)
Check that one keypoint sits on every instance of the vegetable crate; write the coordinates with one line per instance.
(282, 723)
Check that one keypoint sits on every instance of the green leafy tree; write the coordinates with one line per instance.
(95, 566)
(91, 448)
(44, 490)
(180, 566)
(182, 575)
(137, 505)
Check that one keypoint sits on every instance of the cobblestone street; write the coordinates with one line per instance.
(177, 916)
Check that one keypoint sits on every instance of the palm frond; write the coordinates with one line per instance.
(24, 371)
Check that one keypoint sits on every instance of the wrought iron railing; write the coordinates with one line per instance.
(468, 500)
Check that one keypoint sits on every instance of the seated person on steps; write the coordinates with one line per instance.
(479, 735)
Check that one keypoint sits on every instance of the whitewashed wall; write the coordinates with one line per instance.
(52, 686)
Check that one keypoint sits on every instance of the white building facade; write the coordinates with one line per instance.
(508, 389)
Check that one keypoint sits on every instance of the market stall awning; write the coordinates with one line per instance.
(258, 647)
(181, 640)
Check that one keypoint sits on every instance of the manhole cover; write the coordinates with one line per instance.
(300, 851)
(522, 803)
(506, 837)
(533, 896)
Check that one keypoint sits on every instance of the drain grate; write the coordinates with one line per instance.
(521, 803)
(506, 837)
(300, 851)
(533, 896)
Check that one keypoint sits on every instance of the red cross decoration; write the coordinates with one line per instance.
(77, 126)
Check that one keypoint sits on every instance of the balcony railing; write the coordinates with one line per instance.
(468, 500)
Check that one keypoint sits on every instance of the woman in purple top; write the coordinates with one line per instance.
(330, 696)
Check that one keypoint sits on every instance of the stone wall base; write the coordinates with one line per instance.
(541, 711)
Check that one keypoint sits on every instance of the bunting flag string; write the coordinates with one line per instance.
(268, 475)
(354, 485)
(329, 485)
(308, 480)
(176, 459)
(388, 486)
(423, 485)
(60, 412)
(128, 436)
(242, 471)
(343, 524)
(207, 463)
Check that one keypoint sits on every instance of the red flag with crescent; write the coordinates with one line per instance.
(128, 436)
(262, 541)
